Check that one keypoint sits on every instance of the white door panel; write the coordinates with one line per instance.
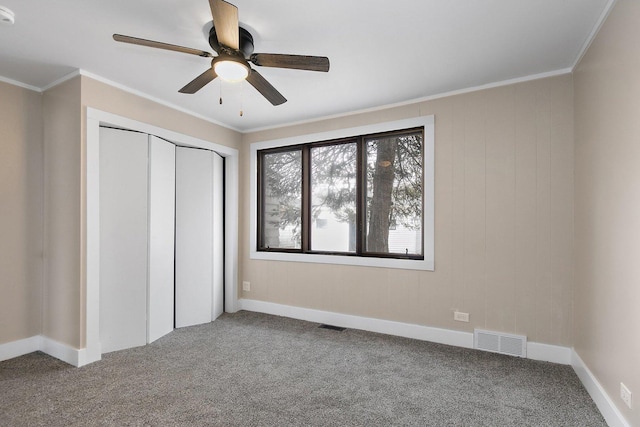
(123, 239)
(218, 235)
(162, 178)
(161, 238)
(194, 245)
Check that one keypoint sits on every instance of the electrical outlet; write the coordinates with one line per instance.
(625, 394)
(460, 316)
(246, 286)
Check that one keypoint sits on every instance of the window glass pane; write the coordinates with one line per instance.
(282, 200)
(333, 198)
(394, 194)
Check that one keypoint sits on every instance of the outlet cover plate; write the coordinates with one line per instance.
(246, 286)
(460, 316)
(625, 395)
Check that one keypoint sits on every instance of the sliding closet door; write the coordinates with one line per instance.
(194, 243)
(123, 239)
(218, 235)
(162, 177)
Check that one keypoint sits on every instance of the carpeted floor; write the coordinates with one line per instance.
(258, 370)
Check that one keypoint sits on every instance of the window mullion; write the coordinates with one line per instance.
(306, 198)
(361, 196)
(261, 210)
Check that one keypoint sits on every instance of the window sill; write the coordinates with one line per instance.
(406, 264)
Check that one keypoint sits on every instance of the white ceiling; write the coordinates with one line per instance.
(381, 52)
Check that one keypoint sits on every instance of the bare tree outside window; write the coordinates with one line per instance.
(334, 197)
(394, 194)
(282, 199)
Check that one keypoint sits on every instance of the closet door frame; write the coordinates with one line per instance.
(94, 119)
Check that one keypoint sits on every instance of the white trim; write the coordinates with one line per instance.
(316, 119)
(407, 330)
(429, 194)
(508, 82)
(92, 221)
(154, 99)
(18, 348)
(549, 353)
(594, 32)
(180, 139)
(20, 84)
(94, 118)
(81, 72)
(535, 351)
(46, 345)
(232, 201)
(61, 80)
(61, 351)
(603, 401)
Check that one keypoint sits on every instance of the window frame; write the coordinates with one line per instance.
(260, 195)
(363, 162)
(425, 262)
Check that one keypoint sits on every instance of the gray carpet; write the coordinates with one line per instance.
(258, 370)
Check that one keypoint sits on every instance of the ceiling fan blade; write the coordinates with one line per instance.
(160, 45)
(225, 20)
(298, 62)
(265, 88)
(199, 82)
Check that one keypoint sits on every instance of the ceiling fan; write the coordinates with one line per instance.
(234, 46)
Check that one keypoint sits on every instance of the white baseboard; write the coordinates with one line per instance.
(61, 351)
(19, 348)
(536, 351)
(549, 353)
(425, 333)
(44, 344)
(603, 401)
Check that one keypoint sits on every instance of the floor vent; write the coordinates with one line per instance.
(332, 328)
(497, 342)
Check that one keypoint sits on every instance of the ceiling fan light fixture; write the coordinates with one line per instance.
(231, 70)
(7, 17)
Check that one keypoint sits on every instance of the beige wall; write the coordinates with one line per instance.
(21, 189)
(503, 221)
(62, 166)
(607, 196)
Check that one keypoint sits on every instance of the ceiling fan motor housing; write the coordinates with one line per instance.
(246, 41)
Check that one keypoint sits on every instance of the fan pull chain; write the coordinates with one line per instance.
(241, 97)
(220, 93)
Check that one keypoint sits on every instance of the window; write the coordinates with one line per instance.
(324, 197)
(360, 196)
(281, 193)
(333, 197)
(394, 194)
